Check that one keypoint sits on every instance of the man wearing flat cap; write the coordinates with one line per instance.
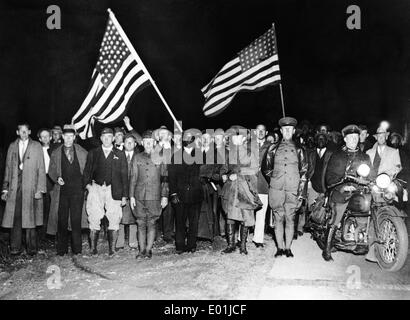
(148, 193)
(343, 162)
(284, 167)
(106, 179)
(66, 170)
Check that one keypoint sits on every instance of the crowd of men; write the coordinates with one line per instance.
(181, 186)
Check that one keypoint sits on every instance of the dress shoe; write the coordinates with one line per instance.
(179, 251)
(258, 245)
(149, 254)
(288, 253)
(279, 253)
(141, 254)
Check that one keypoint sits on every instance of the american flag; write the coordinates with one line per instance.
(117, 76)
(253, 68)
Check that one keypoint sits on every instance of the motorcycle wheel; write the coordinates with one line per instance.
(392, 254)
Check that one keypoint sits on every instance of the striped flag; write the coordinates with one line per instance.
(252, 69)
(117, 76)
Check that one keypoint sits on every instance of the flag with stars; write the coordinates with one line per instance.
(253, 68)
(117, 76)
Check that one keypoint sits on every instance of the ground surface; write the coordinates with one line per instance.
(205, 274)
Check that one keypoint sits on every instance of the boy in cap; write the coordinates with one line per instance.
(148, 193)
(344, 161)
(284, 167)
(106, 179)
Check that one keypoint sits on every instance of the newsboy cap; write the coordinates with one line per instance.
(56, 128)
(68, 128)
(351, 128)
(287, 121)
(119, 130)
(107, 130)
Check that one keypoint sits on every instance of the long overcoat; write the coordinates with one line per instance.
(34, 181)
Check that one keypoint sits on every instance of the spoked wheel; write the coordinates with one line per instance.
(392, 253)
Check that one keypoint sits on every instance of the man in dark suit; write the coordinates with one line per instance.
(318, 159)
(106, 179)
(186, 192)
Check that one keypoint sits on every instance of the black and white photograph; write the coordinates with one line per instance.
(228, 151)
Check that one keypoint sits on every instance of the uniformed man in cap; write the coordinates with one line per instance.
(344, 162)
(284, 167)
(106, 179)
(148, 193)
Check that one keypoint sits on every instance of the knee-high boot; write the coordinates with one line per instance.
(150, 239)
(112, 240)
(330, 233)
(230, 228)
(244, 236)
(142, 241)
(94, 235)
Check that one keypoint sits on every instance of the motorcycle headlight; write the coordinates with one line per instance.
(363, 170)
(383, 181)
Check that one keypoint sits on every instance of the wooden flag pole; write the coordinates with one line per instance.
(135, 55)
(280, 83)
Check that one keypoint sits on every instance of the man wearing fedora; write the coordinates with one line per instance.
(148, 193)
(384, 159)
(186, 193)
(66, 170)
(343, 162)
(284, 167)
(106, 180)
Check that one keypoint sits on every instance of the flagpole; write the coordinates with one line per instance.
(134, 53)
(280, 83)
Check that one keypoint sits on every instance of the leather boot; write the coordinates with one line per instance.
(112, 240)
(330, 233)
(94, 235)
(142, 241)
(150, 240)
(244, 236)
(230, 229)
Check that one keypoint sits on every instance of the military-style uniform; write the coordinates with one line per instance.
(148, 185)
(285, 167)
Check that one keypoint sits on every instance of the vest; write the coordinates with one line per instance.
(71, 174)
(103, 169)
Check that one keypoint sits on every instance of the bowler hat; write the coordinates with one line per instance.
(287, 121)
(351, 128)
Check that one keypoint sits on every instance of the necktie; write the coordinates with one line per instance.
(376, 161)
(129, 158)
(68, 154)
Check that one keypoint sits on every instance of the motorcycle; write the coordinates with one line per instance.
(373, 222)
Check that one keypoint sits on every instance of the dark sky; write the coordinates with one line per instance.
(329, 73)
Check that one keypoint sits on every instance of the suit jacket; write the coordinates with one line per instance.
(119, 173)
(390, 160)
(184, 178)
(312, 156)
(148, 179)
(54, 173)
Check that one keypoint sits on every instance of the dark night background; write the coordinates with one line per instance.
(329, 73)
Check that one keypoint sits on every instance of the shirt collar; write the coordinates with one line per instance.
(107, 149)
